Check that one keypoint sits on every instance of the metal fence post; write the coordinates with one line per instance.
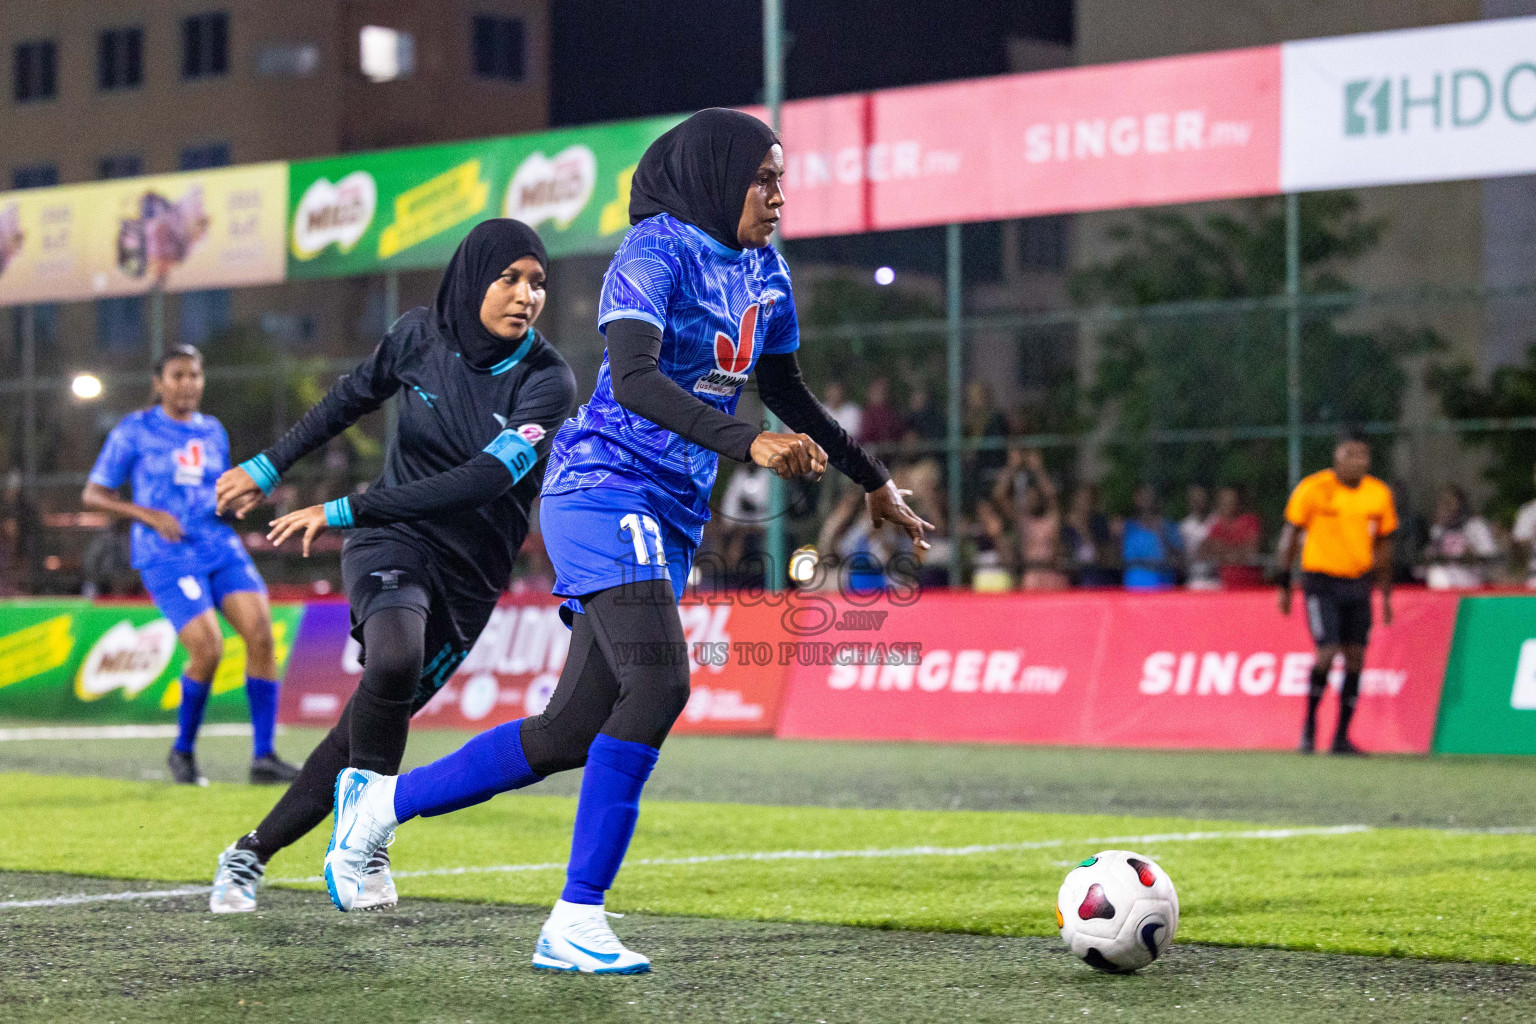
(1293, 336)
(954, 341)
(773, 97)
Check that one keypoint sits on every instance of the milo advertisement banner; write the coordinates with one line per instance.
(116, 663)
(408, 209)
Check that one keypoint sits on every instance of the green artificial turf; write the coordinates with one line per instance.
(1398, 892)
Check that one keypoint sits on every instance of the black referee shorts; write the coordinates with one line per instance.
(1338, 609)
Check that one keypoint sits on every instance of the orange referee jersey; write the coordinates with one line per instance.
(1342, 523)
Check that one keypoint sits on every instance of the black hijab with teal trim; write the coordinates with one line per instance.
(699, 172)
(486, 251)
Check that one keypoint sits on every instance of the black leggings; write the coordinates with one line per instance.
(626, 676)
(371, 733)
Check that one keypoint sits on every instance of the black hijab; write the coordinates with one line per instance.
(699, 172)
(489, 249)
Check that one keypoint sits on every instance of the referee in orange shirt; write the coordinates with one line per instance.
(1348, 518)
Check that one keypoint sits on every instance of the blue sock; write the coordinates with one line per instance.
(194, 697)
(491, 763)
(606, 815)
(261, 695)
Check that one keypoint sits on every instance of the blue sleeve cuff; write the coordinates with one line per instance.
(514, 452)
(262, 471)
(338, 514)
(631, 314)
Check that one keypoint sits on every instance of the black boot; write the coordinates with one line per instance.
(272, 770)
(184, 770)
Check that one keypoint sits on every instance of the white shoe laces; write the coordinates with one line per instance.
(378, 864)
(243, 868)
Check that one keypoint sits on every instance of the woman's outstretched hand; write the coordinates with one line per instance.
(310, 520)
(888, 505)
(237, 491)
(791, 456)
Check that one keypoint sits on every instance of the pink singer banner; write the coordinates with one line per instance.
(1182, 129)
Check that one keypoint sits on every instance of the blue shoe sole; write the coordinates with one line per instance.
(633, 969)
(330, 881)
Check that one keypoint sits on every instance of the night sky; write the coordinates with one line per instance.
(629, 58)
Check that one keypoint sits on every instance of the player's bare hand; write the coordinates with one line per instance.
(237, 492)
(791, 456)
(308, 521)
(888, 505)
(163, 523)
(1386, 608)
(1285, 601)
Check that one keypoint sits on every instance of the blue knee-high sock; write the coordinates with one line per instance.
(491, 763)
(261, 695)
(194, 697)
(606, 815)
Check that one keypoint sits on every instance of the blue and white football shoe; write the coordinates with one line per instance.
(364, 823)
(577, 938)
(234, 885)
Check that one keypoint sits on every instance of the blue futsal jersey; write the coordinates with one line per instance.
(718, 310)
(173, 466)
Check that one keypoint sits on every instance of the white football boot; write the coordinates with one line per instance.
(378, 887)
(234, 884)
(577, 938)
(365, 822)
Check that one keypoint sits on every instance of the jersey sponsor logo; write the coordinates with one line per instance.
(190, 463)
(531, 432)
(733, 357)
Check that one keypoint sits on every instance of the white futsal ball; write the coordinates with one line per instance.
(1117, 911)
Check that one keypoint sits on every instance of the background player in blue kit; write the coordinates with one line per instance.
(191, 563)
(694, 300)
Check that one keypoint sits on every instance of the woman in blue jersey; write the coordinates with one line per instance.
(191, 563)
(694, 300)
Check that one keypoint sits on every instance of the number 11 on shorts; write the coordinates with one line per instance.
(638, 526)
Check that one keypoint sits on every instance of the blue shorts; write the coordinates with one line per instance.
(602, 537)
(183, 590)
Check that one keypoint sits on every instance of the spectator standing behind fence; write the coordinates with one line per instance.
(1194, 528)
(1525, 537)
(1039, 512)
(1150, 546)
(882, 423)
(1461, 545)
(992, 566)
(924, 419)
(982, 422)
(1349, 520)
(1233, 542)
(847, 413)
(1088, 540)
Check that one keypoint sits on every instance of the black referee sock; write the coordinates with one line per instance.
(1315, 688)
(1348, 696)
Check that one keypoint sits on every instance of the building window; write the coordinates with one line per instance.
(120, 323)
(124, 165)
(120, 59)
(385, 54)
(288, 60)
(200, 158)
(499, 47)
(205, 45)
(1043, 243)
(204, 315)
(36, 70)
(36, 176)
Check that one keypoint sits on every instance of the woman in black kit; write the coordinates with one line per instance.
(481, 394)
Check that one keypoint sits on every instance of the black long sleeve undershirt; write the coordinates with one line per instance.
(482, 479)
(639, 386)
(783, 390)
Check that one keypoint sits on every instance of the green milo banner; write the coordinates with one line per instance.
(408, 209)
(1488, 705)
(114, 663)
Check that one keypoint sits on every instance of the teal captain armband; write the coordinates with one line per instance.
(261, 470)
(338, 514)
(515, 452)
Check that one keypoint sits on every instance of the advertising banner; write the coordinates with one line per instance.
(1160, 131)
(1489, 705)
(1109, 669)
(514, 666)
(178, 232)
(110, 662)
(408, 209)
(1430, 104)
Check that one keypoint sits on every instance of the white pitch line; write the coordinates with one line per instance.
(899, 851)
(115, 732)
(1101, 842)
